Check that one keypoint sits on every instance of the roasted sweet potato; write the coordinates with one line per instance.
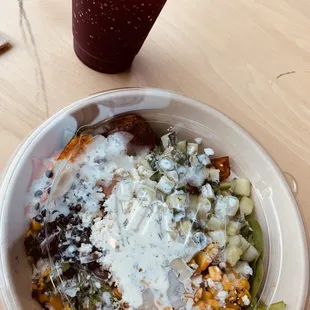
(223, 165)
(75, 147)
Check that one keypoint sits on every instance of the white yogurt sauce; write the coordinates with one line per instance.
(133, 234)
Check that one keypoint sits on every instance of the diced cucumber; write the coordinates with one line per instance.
(173, 176)
(193, 159)
(165, 140)
(233, 228)
(246, 205)
(176, 201)
(250, 254)
(234, 240)
(203, 207)
(144, 162)
(168, 140)
(219, 237)
(239, 241)
(166, 164)
(156, 176)
(241, 187)
(214, 175)
(181, 170)
(145, 194)
(215, 223)
(182, 146)
(207, 191)
(144, 172)
(165, 185)
(192, 148)
(185, 227)
(244, 244)
(193, 202)
(225, 185)
(232, 254)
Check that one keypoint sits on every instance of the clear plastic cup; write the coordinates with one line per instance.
(109, 34)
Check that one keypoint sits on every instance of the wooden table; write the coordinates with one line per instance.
(248, 58)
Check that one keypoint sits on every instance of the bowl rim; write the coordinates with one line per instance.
(11, 166)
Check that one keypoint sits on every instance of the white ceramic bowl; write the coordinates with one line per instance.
(286, 263)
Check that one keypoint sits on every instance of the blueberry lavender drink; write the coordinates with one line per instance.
(108, 34)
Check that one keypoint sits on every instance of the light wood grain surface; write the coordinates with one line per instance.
(231, 54)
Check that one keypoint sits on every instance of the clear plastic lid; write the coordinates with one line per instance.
(276, 209)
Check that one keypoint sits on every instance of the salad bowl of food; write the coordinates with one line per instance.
(146, 199)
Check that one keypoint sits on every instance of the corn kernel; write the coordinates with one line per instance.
(191, 262)
(212, 290)
(213, 303)
(241, 294)
(232, 296)
(206, 295)
(245, 284)
(36, 226)
(43, 298)
(203, 260)
(30, 233)
(226, 283)
(56, 303)
(198, 271)
(215, 273)
(117, 293)
(46, 273)
(200, 305)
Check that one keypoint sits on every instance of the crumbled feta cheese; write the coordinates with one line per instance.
(106, 296)
(210, 283)
(196, 176)
(226, 206)
(243, 268)
(245, 300)
(204, 159)
(197, 280)
(207, 191)
(85, 248)
(219, 237)
(97, 284)
(222, 295)
(208, 151)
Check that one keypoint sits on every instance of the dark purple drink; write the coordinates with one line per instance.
(108, 34)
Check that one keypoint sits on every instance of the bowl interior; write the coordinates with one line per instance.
(276, 210)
